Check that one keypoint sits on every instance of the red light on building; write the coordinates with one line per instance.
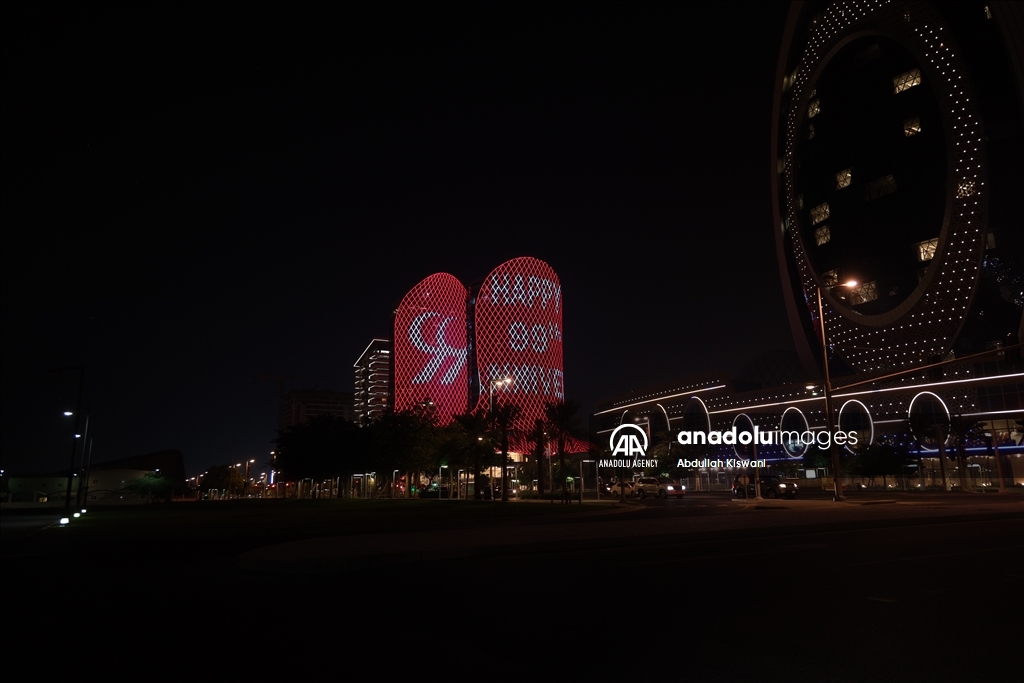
(430, 347)
(518, 334)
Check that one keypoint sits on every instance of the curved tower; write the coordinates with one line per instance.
(887, 172)
(518, 335)
(430, 347)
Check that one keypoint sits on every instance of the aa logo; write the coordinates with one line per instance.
(628, 440)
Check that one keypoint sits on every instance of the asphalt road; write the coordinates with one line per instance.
(704, 588)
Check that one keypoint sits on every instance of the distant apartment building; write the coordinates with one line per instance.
(373, 381)
(301, 405)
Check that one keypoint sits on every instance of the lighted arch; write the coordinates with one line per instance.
(783, 427)
(910, 416)
(871, 422)
(743, 451)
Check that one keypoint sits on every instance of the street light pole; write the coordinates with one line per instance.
(492, 383)
(74, 443)
(838, 497)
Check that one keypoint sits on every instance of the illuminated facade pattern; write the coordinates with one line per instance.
(430, 348)
(455, 347)
(518, 334)
(906, 81)
(924, 319)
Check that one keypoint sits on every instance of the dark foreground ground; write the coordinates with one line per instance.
(903, 588)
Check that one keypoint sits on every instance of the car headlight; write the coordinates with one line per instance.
(669, 488)
(782, 486)
(683, 488)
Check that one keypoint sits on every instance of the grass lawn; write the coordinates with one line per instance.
(303, 518)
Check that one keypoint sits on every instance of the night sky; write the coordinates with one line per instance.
(196, 195)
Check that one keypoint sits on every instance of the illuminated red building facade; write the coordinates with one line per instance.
(429, 359)
(518, 336)
(456, 347)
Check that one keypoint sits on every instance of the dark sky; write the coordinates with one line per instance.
(195, 195)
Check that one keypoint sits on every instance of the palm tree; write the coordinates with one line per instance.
(563, 424)
(963, 428)
(926, 429)
(501, 419)
(475, 439)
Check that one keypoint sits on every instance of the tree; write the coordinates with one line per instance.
(472, 442)
(152, 485)
(405, 440)
(661, 450)
(502, 418)
(932, 432)
(963, 429)
(879, 460)
(563, 424)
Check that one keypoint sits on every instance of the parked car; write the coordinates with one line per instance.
(772, 486)
(616, 489)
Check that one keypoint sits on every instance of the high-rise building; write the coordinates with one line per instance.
(372, 381)
(302, 405)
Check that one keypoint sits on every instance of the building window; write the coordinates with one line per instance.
(965, 189)
(844, 178)
(819, 213)
(879, 188)
(800, 201)
(822, 235)
(865, 292)
(912, 126)
(810, 132)
(906, 81)
(926, 249)
(813, 109)
(830, 278)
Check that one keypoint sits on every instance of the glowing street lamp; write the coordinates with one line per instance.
(505, 381)
(502, 382)
(828, 394)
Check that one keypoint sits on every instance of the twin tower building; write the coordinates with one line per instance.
(459, 348)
